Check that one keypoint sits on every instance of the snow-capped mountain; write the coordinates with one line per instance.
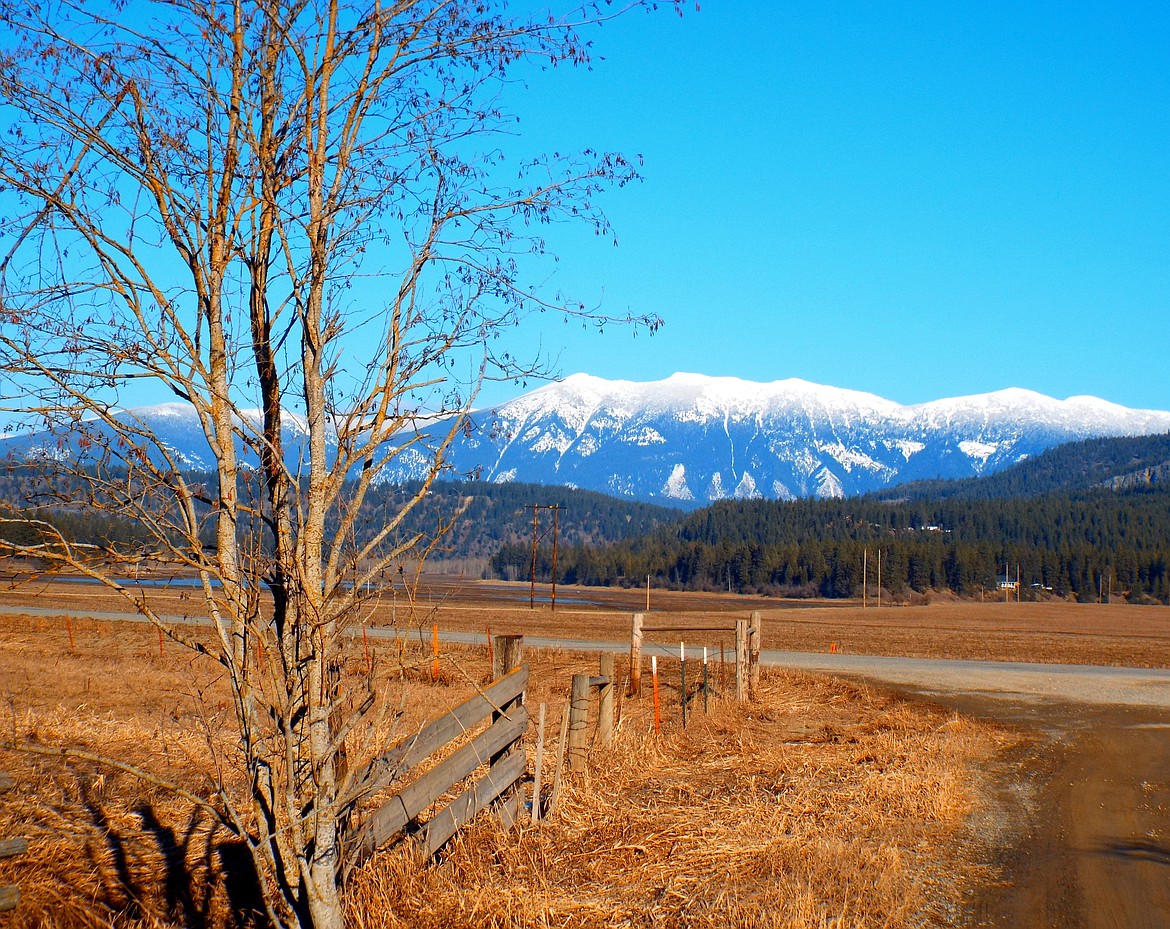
(177, 438)
(689, 440)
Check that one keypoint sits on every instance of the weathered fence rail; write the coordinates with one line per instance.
(496, 746)
(9, 848)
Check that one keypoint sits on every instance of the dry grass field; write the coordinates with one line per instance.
(1050, 632)
(1046, 631)
(822, 804)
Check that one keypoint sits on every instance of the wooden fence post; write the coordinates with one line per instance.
(536, 785)
(578, 720)
(654, 676)
(741, 658)
(605, 701)
(636, 656)
(755, 634)
(556, 791)
(706, 683)
(507, 651)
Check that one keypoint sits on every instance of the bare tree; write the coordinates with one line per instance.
(297, 217)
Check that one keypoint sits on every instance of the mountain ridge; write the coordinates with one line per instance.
(691, 439)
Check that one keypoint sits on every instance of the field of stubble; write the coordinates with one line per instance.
(821, 804)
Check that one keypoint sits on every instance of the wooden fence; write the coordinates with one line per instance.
(497, 746)
(9, 894)
(748, 635)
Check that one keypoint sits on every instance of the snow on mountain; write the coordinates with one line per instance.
(676, 487)
(179, 440)
(692, 439)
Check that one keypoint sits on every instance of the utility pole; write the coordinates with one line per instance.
(879, 590)
(536, 508)
(864, 566)
(532, 574)
(556, 508)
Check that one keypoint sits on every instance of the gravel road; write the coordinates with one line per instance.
(1084, 803)
(1086, 684)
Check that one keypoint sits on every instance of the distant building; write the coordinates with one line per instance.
(1007, 583)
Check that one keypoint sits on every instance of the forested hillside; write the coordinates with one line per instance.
(1117, 462)
(1063, 544)
(493, 515)
(489, 515)
(1107, 524)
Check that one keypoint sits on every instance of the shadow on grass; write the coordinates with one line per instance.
(196, 875)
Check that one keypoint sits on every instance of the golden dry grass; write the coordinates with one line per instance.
(1051, 631)
(824, 804)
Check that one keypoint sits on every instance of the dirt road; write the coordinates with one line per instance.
(1095, 850)
(1084, 803)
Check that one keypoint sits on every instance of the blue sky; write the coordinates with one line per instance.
(914, 199)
